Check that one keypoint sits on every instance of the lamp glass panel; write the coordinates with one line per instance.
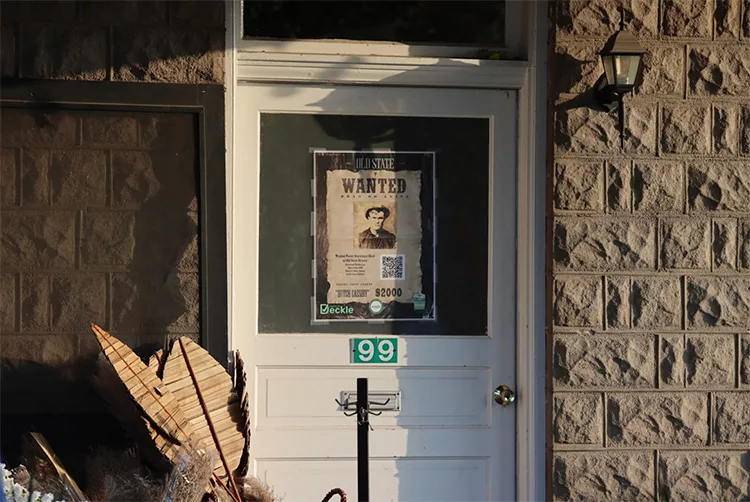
(609, 69)
(626, 68)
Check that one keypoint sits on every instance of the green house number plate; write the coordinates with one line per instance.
(374, 350)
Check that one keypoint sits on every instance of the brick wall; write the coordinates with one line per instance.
(651, 258)
(99, 210)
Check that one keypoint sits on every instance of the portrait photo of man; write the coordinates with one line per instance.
(375, 236)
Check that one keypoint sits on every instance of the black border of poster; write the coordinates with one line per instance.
(393, 311)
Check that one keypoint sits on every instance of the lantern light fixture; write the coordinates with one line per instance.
(621, 57)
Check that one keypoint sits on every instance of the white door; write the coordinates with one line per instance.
(449, 441)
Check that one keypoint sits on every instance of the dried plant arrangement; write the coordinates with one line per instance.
(196, 416)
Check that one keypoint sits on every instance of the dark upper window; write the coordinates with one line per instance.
(467, 22)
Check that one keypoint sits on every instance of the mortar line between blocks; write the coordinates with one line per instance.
(686, 71)
(683, 317)
(48, 323)
(711, 237)
(108, 300)
(605, 166)
(17, 311)
(19, 177)
(658, 361)
(684, 366)
(604, 303)
(710, 419)
(657, 495)
(604, 419)
(737, 359)
(78, 236)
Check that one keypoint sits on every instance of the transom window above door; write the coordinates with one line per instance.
(462, 23)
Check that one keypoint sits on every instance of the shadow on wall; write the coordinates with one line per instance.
(128, 180)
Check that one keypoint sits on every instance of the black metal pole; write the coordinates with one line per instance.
(363, 454)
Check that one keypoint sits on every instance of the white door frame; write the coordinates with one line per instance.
(245, 62)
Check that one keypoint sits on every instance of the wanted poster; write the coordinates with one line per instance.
(374, 235)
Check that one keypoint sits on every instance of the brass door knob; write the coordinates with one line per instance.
(504, 395)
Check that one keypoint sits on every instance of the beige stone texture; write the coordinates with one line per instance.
(579, 186)
(686, 18)
(578, 302)
(107, 238)
(727, 19)
(724, 244)
(619, 189)
(744, 360)
(723, 71)
(168, 55)
(745, 243)
(585, 131)
(626, 476)
(655, 303)
(578, 418)
(663, 71)
(34, 240)
(696, 475)
(21, 128)
(658, 187)
(35, 302)
(618, 302)
(78, 178)
(718, 186)
(685, 243)
(588, 244)
(7, 302)
(718, 302)
(604, 361)
(582, 18)
(110, 130)
(685, 129)
(732, 418)
(668, 344)
(726, 129)
(8, 177)
(66, 52)
(35, 177)
(710, 360)
(672, 361)
(641, 419)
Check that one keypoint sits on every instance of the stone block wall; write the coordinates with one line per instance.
(98, 223)
(98, 209)
(142, 41)
(650, 335)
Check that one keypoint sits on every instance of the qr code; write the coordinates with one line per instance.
(392, 266)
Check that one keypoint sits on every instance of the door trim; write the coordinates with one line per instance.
(528, 77)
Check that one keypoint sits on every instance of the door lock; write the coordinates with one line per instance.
(504, 395)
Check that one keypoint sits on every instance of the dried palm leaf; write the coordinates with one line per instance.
(117, 398)
(156, 362)
(45, 451)
(205, 393)
(240, 384)
(168, 427)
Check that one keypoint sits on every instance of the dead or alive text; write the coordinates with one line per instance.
(352, 293)
(372, 185)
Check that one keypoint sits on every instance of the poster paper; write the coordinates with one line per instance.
(374, 236)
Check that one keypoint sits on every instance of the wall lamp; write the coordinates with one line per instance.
(621, 57)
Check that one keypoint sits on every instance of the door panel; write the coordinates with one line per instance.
(426, 480)
(449, 440)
